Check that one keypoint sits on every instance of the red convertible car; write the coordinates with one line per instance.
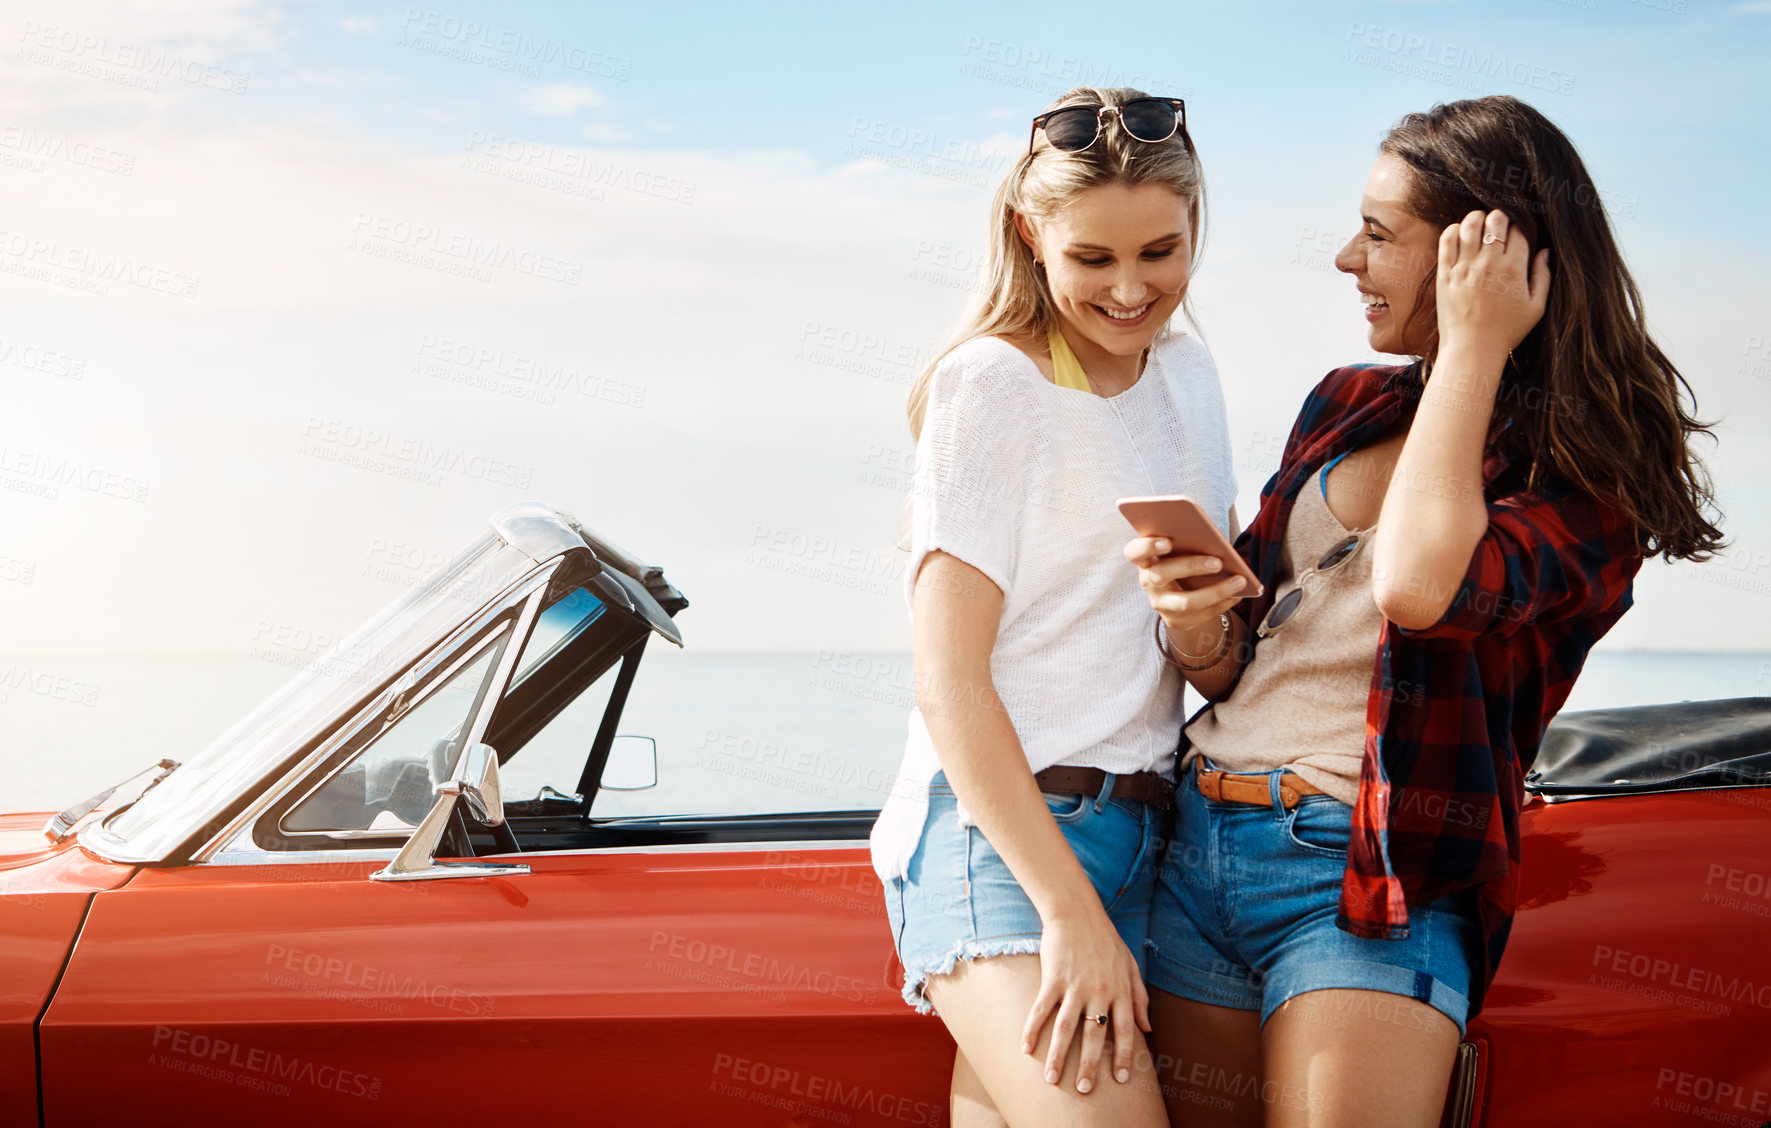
(331, 915)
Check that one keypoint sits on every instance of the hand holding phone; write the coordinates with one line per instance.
(1179, 520)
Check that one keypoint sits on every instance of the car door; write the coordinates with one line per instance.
(727, 970)
(719, 984)
(1635, 987)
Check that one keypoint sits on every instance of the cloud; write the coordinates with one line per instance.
(764, 302)
(560, 99)
(609, 134)
(329, 261)
(109, 60)
(346, 78)
(359, 25)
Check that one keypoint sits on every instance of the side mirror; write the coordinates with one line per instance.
(475, 781)
(632, 764)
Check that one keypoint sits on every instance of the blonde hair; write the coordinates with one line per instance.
(1017, 301)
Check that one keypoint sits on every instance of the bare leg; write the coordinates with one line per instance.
(1208, 1059)
(971, 1106)
(985, 1003)
(1357, 1058)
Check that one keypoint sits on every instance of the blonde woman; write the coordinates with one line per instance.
(1018, 850)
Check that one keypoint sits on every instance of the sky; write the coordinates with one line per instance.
(256, 380)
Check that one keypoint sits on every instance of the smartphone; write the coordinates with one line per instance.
(1191, 533)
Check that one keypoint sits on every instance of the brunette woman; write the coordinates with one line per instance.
(1442, 545)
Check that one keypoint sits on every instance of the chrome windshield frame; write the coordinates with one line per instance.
(537, 530)
(546, 536)
(520, 598)
(190, 819)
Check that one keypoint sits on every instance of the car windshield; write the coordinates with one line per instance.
(317, 697)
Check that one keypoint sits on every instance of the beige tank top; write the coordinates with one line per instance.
(1301, 702)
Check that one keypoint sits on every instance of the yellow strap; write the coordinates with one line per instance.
(1066, 369)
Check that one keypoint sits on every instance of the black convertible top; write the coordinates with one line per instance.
(1649, 749)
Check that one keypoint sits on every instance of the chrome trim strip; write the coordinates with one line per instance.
(436, 870)
(1463, 1087)
(501, 674)
(259, 857)
(698, 848)
(1660, 792)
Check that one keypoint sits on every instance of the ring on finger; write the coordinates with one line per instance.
(1100, 1020)
(1491, 237)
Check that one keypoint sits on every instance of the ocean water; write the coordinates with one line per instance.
(735, 732)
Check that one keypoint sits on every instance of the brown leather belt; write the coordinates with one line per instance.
(1229, 787)
(1145, 787)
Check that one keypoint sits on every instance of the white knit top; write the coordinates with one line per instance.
(1017, 477)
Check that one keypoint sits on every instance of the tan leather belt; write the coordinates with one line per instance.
(1229, 787)
(1145, 787)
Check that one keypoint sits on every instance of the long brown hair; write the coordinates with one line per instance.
(1588, 395)
(1017, 300)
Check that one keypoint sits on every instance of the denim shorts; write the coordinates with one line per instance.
(1245, 906)
(958, 899)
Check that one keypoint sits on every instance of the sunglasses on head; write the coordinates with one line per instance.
(1074, 128)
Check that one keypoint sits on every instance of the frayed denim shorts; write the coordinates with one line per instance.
(958, 899)
(1245, 904)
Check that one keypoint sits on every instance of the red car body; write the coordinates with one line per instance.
(740, 971)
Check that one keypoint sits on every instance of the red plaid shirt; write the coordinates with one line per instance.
(1456, 709)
